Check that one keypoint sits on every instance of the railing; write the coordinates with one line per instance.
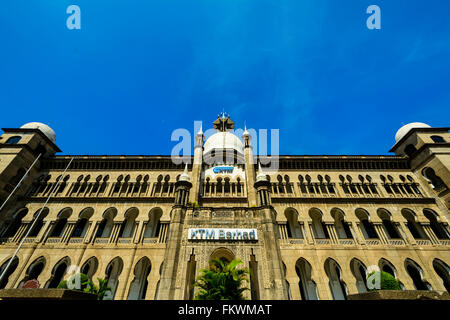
(76, 240)
(124, 240)
(101, 240)
(346, 242)
(423, 242)
(445, 242)
(53, 240)
(6, 240)
(323, 241)
(29, 240)
(150, 240)
(296, 241)
(373, 242)
(396, 242)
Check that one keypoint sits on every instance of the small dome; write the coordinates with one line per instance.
(223, 140)
(45, 129)
(406, 128)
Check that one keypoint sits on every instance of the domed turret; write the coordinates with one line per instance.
(406, 128)
(223, 139)
(45, 129)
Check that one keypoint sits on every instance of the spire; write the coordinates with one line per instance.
(246, 133)
(185, 176)
(261, 176)
(200, 132)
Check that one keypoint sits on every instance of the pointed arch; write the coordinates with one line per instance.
(337, 286)
(139, 285)
(307, 286)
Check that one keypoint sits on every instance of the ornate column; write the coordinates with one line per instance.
(169, 276)
(380, 232)
(430, 233)
(249, 168)
(403, 228)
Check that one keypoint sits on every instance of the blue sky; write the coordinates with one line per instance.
(139, 69)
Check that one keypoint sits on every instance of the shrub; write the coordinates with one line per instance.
(388, 282)
(86, 285)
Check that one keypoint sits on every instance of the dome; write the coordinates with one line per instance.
(45, 129)
(223, 140)
(406, 128)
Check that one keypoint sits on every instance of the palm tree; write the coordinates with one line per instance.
(222, 281)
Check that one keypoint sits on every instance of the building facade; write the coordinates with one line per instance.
(309, 230)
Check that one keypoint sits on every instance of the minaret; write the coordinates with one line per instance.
(249, 168)
(197, 166)
(172, 252)
(262, 186)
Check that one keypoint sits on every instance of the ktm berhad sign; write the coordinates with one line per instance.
(222, 234)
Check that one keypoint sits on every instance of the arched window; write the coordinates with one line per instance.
(12, 225)
(138, 287)
(368, 228)
(89, 268)
(415, 272)
(293, 227)
(13, 140)
(342, 228)
(308, 288)
(437, 227)
(437, 139)
(410, 150)
(83, 223)
(153, 225)
(106, 225)
(12, 267)
(436, 181)
(113, 271)
(336, 284)
(39, 222)
(389, 226)
(443, 271)
(388, 267)
(319, 229)
(414, 227)
(359, 271)
(33, 271)
(60, 224)
(58, 272)
(128, 225)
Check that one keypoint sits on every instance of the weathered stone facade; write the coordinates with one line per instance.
(321, 220)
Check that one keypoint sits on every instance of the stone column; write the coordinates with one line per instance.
(362, 239)
(332, 232)
(139, 231)
(380, 232)
(405, 231)
(67, 232)
(169, 274)
(430, 233)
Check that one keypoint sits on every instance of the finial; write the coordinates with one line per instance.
(201, 127)
(185, 176)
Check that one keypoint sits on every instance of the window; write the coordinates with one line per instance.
(438, 139)
(13, 140)
(410, 149)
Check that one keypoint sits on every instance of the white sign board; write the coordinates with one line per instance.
(223, 234)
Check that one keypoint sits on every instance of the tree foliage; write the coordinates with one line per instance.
(81, 282)
(222, 281)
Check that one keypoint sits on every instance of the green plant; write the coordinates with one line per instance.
(387, 281)
(222, 281)
(86, 285)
